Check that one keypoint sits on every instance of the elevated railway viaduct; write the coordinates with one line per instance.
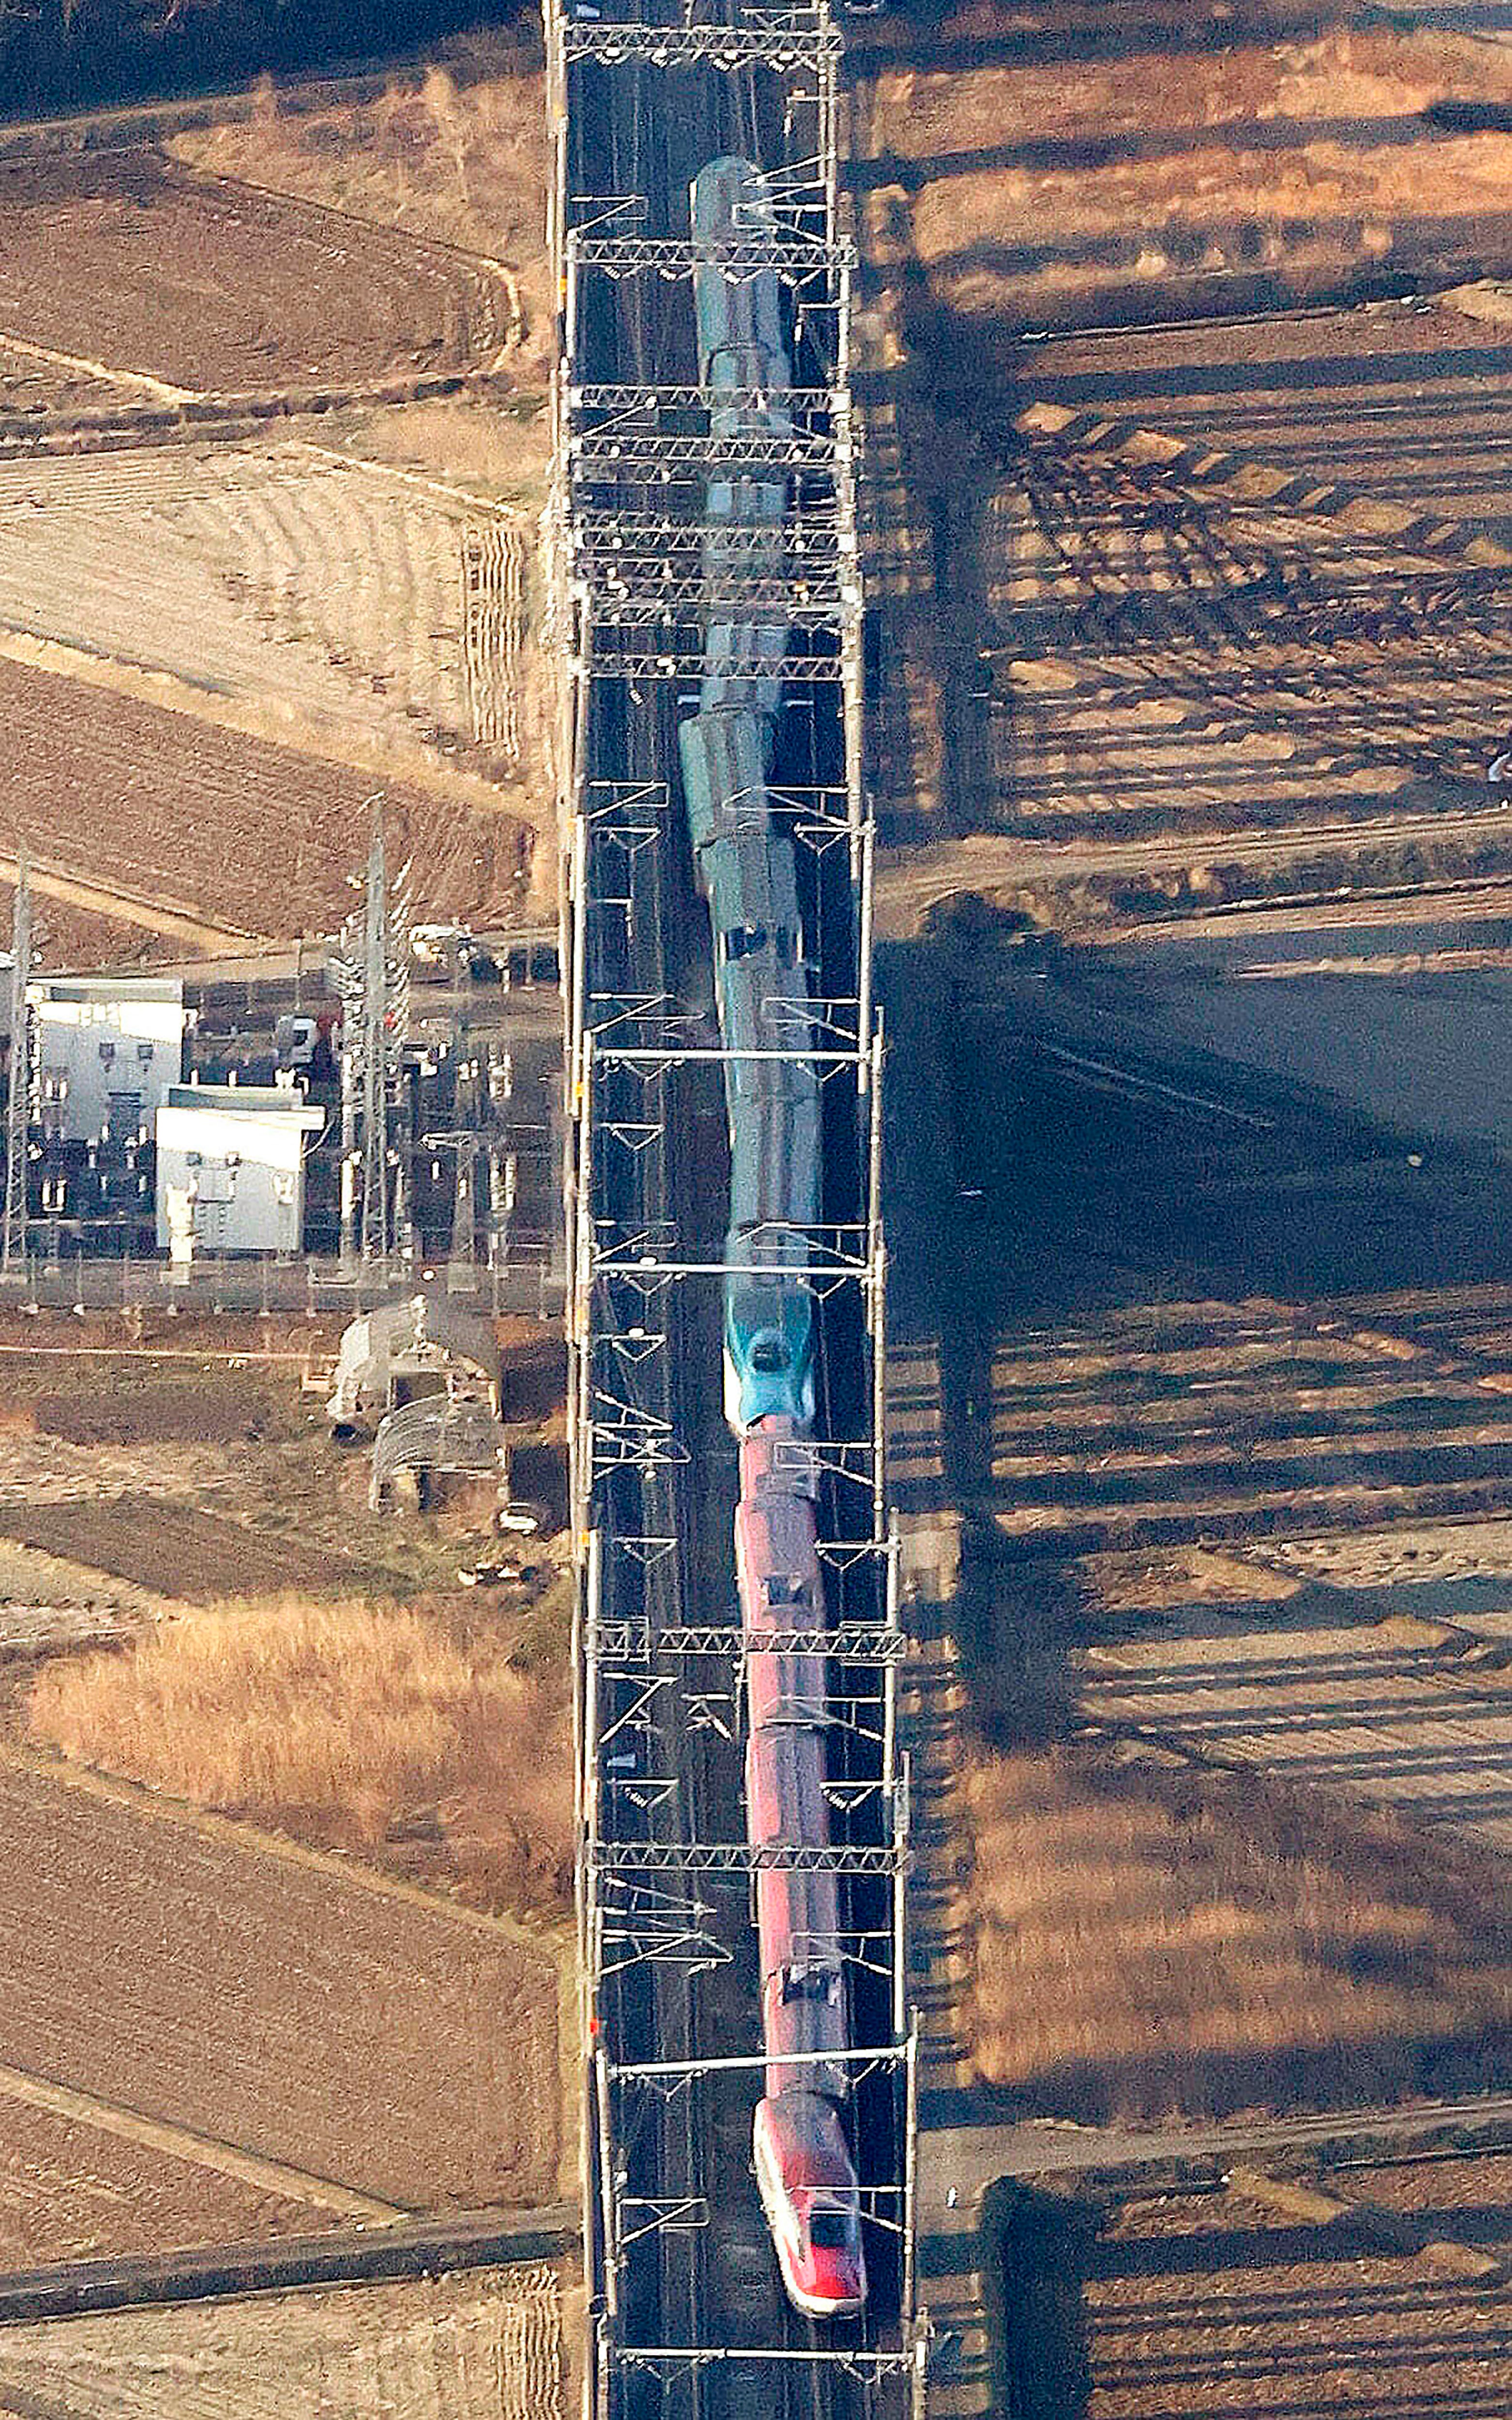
(686, 2312)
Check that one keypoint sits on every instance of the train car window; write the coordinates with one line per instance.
(769, 1355)
(819, 1983)
(829, 2230)
(780, 1592)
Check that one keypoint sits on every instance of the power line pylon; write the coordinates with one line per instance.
(371, 971)
(375, 1020)
(17, 1097)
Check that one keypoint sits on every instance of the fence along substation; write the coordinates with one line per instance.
(664, 1863)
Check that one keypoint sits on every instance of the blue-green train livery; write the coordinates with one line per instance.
(744, 852)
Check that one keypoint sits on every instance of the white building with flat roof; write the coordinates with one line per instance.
(231, 1169)
(107, 1048)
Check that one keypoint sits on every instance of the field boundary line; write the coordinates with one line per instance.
(332, 213)
(569, 2071)
(474, 503)
(123, 906)
(1249, 479)
(159, 388)
(93, 1587)
(199, 2150)
(977, 2153)
(171, 695)
(549, 1943)
(185, 172)
(528, 2245)
(1397, 2231)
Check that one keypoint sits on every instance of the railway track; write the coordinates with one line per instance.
(678, 2224)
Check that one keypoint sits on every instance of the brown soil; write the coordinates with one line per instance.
(113, 1333)
(272, 2003)
(169, 806)
(205, 286)
(461, 160)
(71, 2191)
(1216, 2309)
(198, 1556)
(68, 938)
(215, 1406)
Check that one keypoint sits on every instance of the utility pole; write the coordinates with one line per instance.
(18, 1096)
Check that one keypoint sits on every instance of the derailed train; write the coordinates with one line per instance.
(745, 860)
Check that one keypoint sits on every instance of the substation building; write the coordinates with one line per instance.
(106, 1050)
(230, 1169)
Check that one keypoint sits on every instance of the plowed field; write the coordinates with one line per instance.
(198, 1555)
(1215, 2309)
(273, 2003)
(126, 260)
(69, 2192)
(70, 937)
(170, 808)
(316, 591)
(484, 2346)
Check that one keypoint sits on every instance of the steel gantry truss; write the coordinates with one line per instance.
(636, 577)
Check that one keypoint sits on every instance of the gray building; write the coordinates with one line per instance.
(107, 1050)
(231, 1169)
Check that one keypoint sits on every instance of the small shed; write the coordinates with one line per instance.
(405, 1350)
(231, 1168)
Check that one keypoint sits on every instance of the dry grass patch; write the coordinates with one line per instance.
(354, 1725)
(1216, 189)
(1146, 1941)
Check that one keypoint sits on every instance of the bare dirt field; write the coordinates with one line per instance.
(458, 158)
(213, 287)
(35, 380)
(1239, 574)
(1225, 2307)
(359, 594)
(165, 807)
(70, 2191)
(193, 1458)
(484, 2346)
(270, 2001)
(220, 1406)
(203, 1555)
(1217, 2306)
(65, 938)
(1209, 1421)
